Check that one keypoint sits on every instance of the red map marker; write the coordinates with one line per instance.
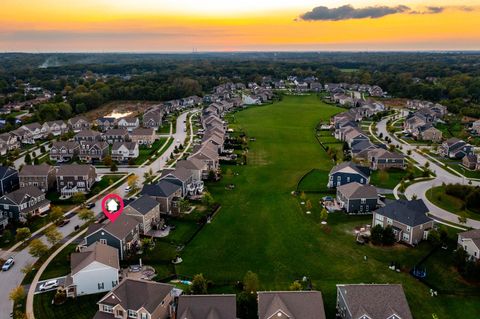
(112, 206)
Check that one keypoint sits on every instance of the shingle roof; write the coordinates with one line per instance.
(74, 170)
(375, 301)
(207, 307)
(129, 145)
(116, 132)
(356, 190)
(410, 213)
(99, 252)
(18, 195)
(180, 173)
(135, 294)
(365, 171)
(473, 234)
(164, 188)
(6, 170)
(35, 170)
(191, 163)
(88, 133)
(144, 204)
(66, 144)
(290, 304)
(143, 131)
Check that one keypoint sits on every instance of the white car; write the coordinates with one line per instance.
(128, 188)
(8, 264)
(49, 285)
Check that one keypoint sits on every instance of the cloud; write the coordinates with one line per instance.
(347, 12)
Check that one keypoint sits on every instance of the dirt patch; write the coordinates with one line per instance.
(136, 107)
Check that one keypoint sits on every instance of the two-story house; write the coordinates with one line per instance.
(79, 123)
(470, 242)
(167, 193)
(380, 158)
(24, 202)
(455, 148)
(116, 135)
(9, 180)
(153, 118)
(180, 176)
(408, 220)
(106, 123)
(128, 123)
(55, 128)
(139, 299)
(206, 306)
(74, 178)
(123, 234)
(93, 151)
(41, 176)
(348, 172)
(88, 135)
(290, 304)
(64, 151)
(356, 198)
(146, 210)
(124, 151)
(143, 136)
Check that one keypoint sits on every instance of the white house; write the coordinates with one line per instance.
(93, 270)
(470, 242)
(124, 151)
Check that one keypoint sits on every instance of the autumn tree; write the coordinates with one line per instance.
(17, 294)
(22, 234)
(53, 235)
(56, 214)
(251, 282)
(78, 197)
(199, 285)
(37, 248)
(86, 215)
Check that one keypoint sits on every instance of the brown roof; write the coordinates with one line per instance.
(356, 190)
(35, 170)
(207, 307)
(143, 131)
(181, 173)
(75, 170)
(191, 163)
(375, 301)
(122, 226)
(135, 294)
(473, 234)
(99, 252)
(291, 304)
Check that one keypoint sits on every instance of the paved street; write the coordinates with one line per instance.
(14, 276)
(420, 189)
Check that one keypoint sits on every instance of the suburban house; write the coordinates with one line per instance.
(129, 123)
(209, 156)
(41, 176)
(9, 142)
(64, 151)
(153, 118)
(56, 128)
(143, 136)
(357, 198)
(455, 148)
(24, 202)
(408, 220)
(123, 235)
(88, 135)
(360, 149)
(79, 123)
(116, 135)
(93, 270)
(206, 306)
(139, 299)
(23, 135)
(198, 168)
(106, 123)
(348, 172)
(37, 131)
(372, 301)
(290, 304)
(75, 178)
(470, 242)
(470, 161)
(167, 193)
(429, 133)
(146, 210)
(180, 176)
(124, 151)
(413, 122)
(9, 180)
(383, 159)
(93, 151)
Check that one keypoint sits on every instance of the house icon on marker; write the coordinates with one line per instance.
(112, 206)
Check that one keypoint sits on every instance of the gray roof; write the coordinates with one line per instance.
(129, 145)
(144, 204)
(121, 228)
(35, 170)
(207, 307)
(375, 301)
(164, 188)
(6, 171)
(88, 133)
(75, 170)
(116, 132)
(191, 163)
(364, 171)
(135, 294)
(19, 195)
(66, 144)
(473, 234)
(99, 252)
(291, 304)
(181, 173)
(356, 190)
(143, 131)
(410, 213)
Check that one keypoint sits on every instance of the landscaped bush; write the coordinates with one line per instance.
(469, 194)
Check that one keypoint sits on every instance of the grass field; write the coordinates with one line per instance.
(83, 307)
(262, 227)
(450, 203)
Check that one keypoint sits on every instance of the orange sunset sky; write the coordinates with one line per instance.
(249, 25)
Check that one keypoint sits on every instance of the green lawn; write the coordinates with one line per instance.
(146, 152)
(83, 307)
(390, 178)
(60, 265)
(450, 203)
(262, 227)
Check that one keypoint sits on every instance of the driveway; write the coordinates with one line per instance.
(420, 189)
(61, 282)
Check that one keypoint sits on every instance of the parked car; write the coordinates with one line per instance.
(8, 264)
(63, 222)
(128, 188)
(49, 285)
(90, 205)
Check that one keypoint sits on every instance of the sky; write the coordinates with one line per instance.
(241, 25)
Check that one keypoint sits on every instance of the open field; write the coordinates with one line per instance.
(262, 227)
(450, 203)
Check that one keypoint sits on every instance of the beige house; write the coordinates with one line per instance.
(143, 136)
(42, 176)
(408, 219)
(470, 242)
(430, 134)
(137, 299)
(146, 210)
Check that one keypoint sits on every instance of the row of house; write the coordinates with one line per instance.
(420, 124)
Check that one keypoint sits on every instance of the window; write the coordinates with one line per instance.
(406, 237)
(144, 316)
(120, 313)
(106, 308)
(389, 221)
(409, 228)
(103, 241)
(101, 286)
(132, 314)
(363, 200)
(379, 217)
(114, 283)
(348, 179)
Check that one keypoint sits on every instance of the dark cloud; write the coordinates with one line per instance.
(347, 12)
